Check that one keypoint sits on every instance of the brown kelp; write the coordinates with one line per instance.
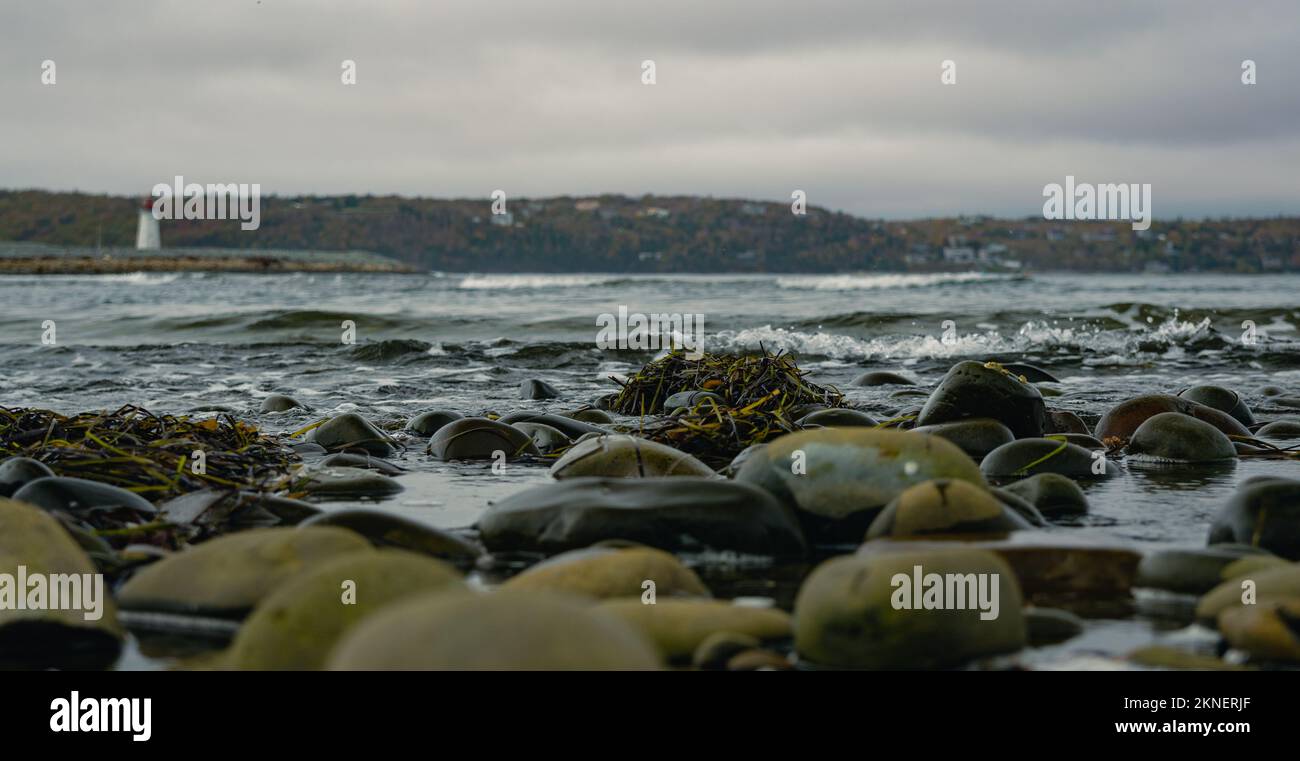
(763, 395)
(151, 455)
(771, 380)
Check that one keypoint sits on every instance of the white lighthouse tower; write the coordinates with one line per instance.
(147, 235)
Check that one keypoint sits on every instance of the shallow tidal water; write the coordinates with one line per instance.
(179, 343)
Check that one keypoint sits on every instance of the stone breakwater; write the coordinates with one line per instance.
(970, 492)
(38, 259)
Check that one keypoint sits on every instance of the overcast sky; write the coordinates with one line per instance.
(754, 98)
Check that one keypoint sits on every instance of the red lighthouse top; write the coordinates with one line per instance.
(147, 203)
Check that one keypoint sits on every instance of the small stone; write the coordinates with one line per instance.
(882, 378)
(17, 472)
(1049, 626)
(279, 403)
(972, 389)
(590, 415)
(476, 438)
(1266, 584)
(1172, 437)
(759, 660)
(1268, 631)
(945, 506)
(385, 529)
(79, 496)
(607, 572)
(428, 423)
(344, 483)
(365, 461)
(1263, 512)
(1280, 429)
(1027, 457)
(719, 647)
(534, 388)
(1191, 571)
(351, 431)
(546, 438)
(1222, 399)
(836, 418)
(1051, 493)
(624, 456)
(975, 436)
(678, 627)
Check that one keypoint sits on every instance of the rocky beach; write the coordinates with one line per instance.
(446, 471)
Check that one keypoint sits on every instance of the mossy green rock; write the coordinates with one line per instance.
(1052, 493)
(678, 627)
(386, 529)
(1268, 631)
(606, 572)
(845, 615)
(670, 513)
(55, 637)
(477, 438)
(1171, 437)
(1050, 567)
(229, 575)
(499, 631)
(1264, 513)
(1027, 457)
(838, 479)
(351, 431)
(1189, 571)
(973, 389)
(622, 456)
(945, 506)
(298, 625)
(976, 436)
(1267, 584)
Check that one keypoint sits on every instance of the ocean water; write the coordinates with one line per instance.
(176, 343)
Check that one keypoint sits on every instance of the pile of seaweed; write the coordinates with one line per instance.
(151, 455)
(763, 395)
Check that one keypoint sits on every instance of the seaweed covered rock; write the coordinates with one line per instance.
(1027, 457)
(79, 629)
(945, 506)
(500, 631)
(838, 479)
(678, 627)
(1172, 437)
(675, 513)
(298, 624)
(611, 571)
(624, 456)
(476, 438)
(227, 576)
(1263, 512)
(925, 609)
(974, 389)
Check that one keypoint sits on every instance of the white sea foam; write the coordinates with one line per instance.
(865, 282)
(515, 282)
